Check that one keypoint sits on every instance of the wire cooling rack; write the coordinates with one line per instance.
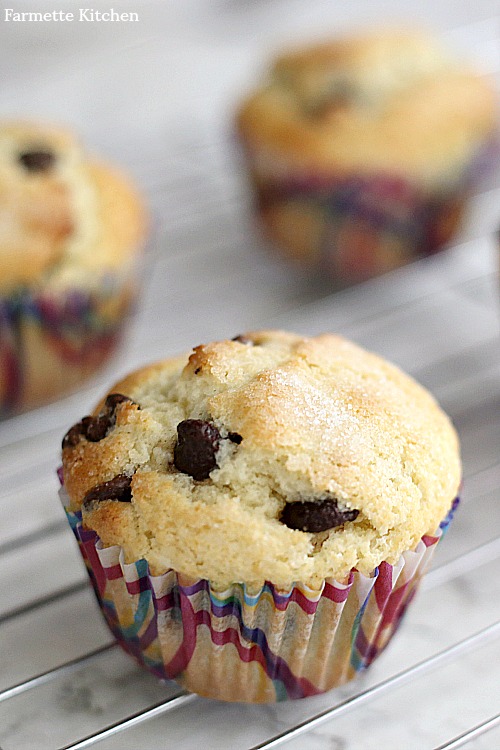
(63, 681)
(64, 684)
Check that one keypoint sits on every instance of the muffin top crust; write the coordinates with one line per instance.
(64, 218)
(392, 100)
(271, 456)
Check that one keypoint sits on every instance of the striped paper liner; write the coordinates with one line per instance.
(251, 646)
(54, 338)
(356, 225)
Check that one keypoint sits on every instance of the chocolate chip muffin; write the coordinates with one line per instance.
(265, 487)
(363, 150)
(71, 230)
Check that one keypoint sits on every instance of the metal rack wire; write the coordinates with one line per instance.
(483, 481)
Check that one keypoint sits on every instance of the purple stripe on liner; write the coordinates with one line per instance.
(184, 653)
(198, 586)
(149, 635)
(364, 647)
(225, 610)
(86, 534)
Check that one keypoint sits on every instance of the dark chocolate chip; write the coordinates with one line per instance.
(85, 423)
(315, 516)
(73, 436)
(197, 371)
(243, 340)
(197, 444)
(106, 418)
(37, 161)
(118, 488)
(234, 437)
(98, 428)
(95, 429)
(75, 433)
(113, 400)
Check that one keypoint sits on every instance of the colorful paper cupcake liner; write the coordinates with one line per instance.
(77, 330)
(359, 225)
(245, 645)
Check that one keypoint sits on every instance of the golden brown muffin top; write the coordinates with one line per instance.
(63, 218)
(271, 457)
(390, 100)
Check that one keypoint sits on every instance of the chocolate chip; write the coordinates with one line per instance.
(98, 428)
(75, 433)
(100, 425)
(118, 488)
(37, 161)
(95, 429)
(234, 437)
(113, 400)
(315, 516)
(243, 340)
(73, 436)
(197, 444)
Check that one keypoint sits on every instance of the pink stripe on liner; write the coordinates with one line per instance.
(394, 604)
(303, 687)
(113, 572)
(185, 652)
(307, 605)
(94, 564)
(383, 584)
(429, 540)
(390, 616)
(337, 593)
(297, 687)
(165, 602)
(138, 586)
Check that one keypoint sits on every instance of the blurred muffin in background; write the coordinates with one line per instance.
(71, 231)
(363, 151)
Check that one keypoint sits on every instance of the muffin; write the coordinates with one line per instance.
(71, 231)
(256, 517)
(362, 151)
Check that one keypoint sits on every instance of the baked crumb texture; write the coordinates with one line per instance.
(300, 420)
(70, 234)
(362, 151)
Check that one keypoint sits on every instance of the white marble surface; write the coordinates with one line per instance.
(158, 96)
